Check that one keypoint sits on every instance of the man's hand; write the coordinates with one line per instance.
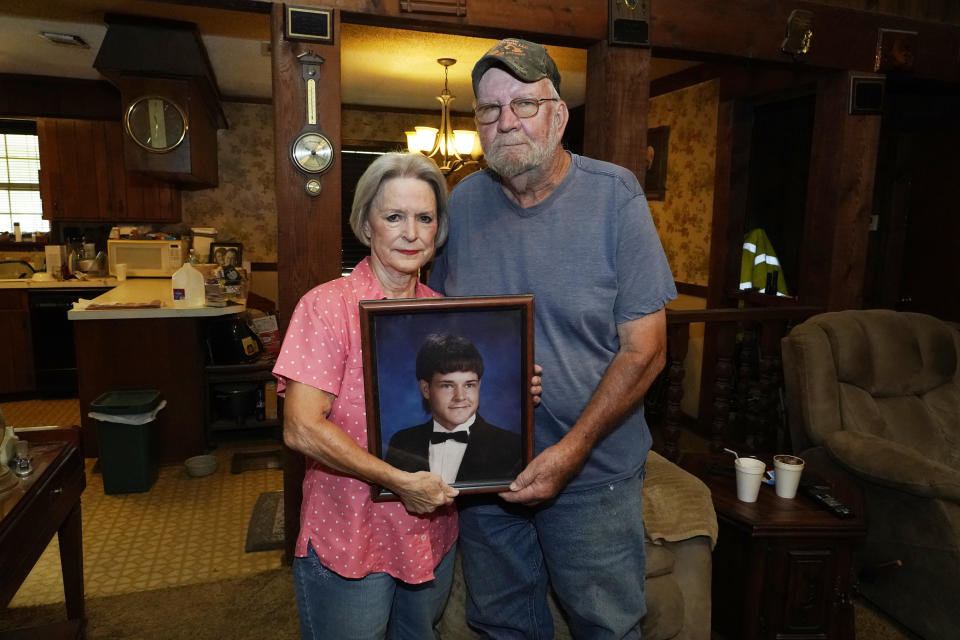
(536, 388)
(545, 476)
(422, 492)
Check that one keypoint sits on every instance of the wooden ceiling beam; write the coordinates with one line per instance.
(733, 29)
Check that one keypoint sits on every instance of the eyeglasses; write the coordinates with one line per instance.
(521, 107)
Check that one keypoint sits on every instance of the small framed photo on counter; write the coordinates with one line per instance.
(447, 387)
(226, 254)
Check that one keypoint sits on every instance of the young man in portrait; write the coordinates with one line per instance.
(456, 443)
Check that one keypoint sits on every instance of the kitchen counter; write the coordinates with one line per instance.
(134, 290)
(24, 283)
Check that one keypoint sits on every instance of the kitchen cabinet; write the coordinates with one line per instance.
(166, 354)
(16, 369)
(83, 176)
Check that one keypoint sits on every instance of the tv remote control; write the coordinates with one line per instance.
(821, 493)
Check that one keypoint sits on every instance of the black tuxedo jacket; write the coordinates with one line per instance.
(492, 453)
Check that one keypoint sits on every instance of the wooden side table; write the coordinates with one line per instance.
(781, 568)
(45, 503)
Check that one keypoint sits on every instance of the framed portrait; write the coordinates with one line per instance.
(655, 184)
(226, 254)
(447, 387)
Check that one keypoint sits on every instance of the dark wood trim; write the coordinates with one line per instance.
(578, 23)
(839, 199)
(616, 106)
(30, 96)
(844, 38)
(263, 266)
(245, 99)
(683, 79)
(405, 110)
(248, 6)
(753, 314)
(688, 289)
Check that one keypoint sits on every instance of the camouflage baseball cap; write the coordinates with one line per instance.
(525, 60)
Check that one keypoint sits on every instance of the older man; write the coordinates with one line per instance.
(577, 233)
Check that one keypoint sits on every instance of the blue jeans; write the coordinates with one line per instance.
(588, 545)
(374, 607)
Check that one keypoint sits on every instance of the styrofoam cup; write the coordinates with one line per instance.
(121, 271)
(787, 470)
(749, 474)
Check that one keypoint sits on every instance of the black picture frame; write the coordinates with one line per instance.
(226, 253)
(655, 183)
(501, 328)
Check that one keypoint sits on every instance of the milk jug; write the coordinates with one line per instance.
(187, 284)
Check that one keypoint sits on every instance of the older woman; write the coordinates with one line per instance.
(364, 569)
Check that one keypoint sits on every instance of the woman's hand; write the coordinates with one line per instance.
(536, 389)
(422, 492)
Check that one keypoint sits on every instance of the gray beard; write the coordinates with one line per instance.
(508, 163)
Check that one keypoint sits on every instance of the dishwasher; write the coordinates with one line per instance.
(54, 354)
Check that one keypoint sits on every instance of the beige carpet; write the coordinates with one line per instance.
(183, 531)
(253, 607)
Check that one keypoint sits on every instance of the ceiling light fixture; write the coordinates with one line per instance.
(65, 38)
(449, 148)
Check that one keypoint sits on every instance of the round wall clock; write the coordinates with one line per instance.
(312, 152)
(155, 123)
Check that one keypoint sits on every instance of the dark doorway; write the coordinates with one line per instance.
(777, 177)
(913, 262)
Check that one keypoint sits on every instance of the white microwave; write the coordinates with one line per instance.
(146, 258)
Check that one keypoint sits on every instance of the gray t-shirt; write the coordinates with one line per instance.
(591, 256)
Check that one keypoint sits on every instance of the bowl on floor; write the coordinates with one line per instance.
(199, 466)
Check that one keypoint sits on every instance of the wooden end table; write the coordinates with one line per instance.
(45, 503)
(781, 567)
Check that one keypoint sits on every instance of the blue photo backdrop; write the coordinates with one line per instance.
(498, 336)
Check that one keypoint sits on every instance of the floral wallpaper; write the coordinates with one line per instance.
(684, 216)
(242, 208)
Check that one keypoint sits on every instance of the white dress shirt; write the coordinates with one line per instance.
(445, 457)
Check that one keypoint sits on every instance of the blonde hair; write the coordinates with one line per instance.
(398, 165)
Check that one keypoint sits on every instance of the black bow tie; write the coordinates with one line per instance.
(459, 436)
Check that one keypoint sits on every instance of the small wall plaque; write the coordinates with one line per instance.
(866, 95)
(896, 50)
(629, 22)
(308, 24)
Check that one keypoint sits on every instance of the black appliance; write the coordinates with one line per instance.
(54, 353)
(231, 341)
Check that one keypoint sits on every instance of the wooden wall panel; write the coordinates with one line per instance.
(839, 199)
(308, 228)
(42, 96)
(616, 105)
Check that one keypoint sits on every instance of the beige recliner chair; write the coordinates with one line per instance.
(878, 392)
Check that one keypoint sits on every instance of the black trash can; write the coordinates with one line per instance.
(128, 452)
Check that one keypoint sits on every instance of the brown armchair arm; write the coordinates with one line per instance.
(893, 465)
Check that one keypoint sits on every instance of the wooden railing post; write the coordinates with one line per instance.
(722, 384)
(678, 340)
(767, 433)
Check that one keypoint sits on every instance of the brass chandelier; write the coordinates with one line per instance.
(450, 148)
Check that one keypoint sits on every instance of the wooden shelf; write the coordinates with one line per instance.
(259, 371)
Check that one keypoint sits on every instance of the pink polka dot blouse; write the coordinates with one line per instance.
(352, 535)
